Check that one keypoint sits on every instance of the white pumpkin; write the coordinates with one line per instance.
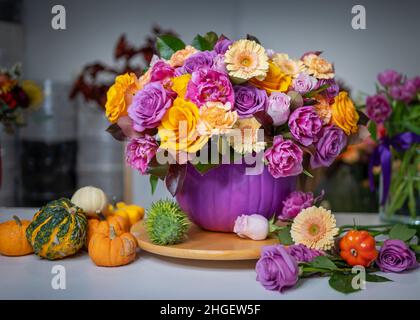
(91, 199)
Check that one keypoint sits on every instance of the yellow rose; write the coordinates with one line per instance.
(178, 129)
(343, 113)
(216, 118)
(179, 57)
(275, 80)
(179, 84)
(120, 95)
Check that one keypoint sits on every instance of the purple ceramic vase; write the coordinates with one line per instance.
(214, 200)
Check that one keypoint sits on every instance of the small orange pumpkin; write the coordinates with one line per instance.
(120, 225)
(358, 248)
(111, 250)
(13, 240)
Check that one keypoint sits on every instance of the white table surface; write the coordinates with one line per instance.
(157, 277)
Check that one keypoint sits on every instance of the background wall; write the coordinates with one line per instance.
(93, 26)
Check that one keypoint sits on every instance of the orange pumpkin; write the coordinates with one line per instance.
(13, 240)
(358, 248)
(111, 250)
(120, 225)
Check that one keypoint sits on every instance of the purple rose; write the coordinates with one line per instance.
(304, 83)
(333, 89)
(305, 124)
(389, 78)
(279, 107)
(276, 269)
(284, 158)
(222, 45)
(140, 151)
(249, 100)
(396, 256)
(295, 203)
(209, 85)
(302, 253)
(404, 92)
(378, 108)
(161, 71)
(329, 146)
(199, 60)
(149, 106)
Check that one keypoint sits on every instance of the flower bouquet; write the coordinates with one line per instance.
(228, 125)
(394, 112)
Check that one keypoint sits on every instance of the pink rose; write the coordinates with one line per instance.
(254, 226)
(279, 107)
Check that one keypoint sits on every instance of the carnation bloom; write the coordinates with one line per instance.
(279, 107)
(295, 203)
(331, 142)
(404, 92)
(209, 85)
(344, 114)
(179, 57)
(284, 158)
(254, 226)
(120, 95)
(161, 71)
(389, 78)
(246, 59)
(323, 109)
(288, 66)
(305, 125)
(178, 128)
(140, 151)
(180, 83)
(378, 108)
(275, 80)
(317, 66)
(216, 118)
(315, 227)
(248, 140)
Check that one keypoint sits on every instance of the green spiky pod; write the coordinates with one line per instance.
(166, 223)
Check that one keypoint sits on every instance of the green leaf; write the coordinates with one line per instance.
(153, 183)
(201, 43)
(372, 130)
(401, 232)
(211, 38)
(323, 262)
(308, 173)
(203, 168)
(167, 45)
(375, 278)
(342, 283)
(284, 236)
(175, 178)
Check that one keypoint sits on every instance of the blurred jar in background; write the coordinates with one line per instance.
(48, 148)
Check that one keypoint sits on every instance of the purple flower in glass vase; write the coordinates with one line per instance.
(389, 78)
(396, 256)
(304, 83)
(416, 83)
(279, 107)
(403, 92)
(161, 71)
(277, 269)
(199, 60)
(149, 106)
(332, 90)
(302, 253)
(295, 203)
(378, 108)
(140, 151)
(305, 124)
(249, 100)
(208, 85)
(329, 146)
(222, 45)
(284, 158)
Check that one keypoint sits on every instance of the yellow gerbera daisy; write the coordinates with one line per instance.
(315, 227)
(246, 59)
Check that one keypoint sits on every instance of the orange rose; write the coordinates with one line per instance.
(275, 80)
(344, 114)
(216, 118)
(179, 57)
(318, 67)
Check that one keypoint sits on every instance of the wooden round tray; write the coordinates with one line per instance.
(204, 245)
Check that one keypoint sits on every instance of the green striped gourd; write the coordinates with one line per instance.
(57, 230)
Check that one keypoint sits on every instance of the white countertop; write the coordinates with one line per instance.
(157, 277)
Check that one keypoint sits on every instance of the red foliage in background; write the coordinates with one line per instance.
(95, 78)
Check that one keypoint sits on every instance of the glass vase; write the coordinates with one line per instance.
(402, 204)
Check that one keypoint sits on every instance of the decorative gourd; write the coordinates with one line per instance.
(111, 250)
(102, 225)
(131, 212)
(57, 230)
(13, 240)
(91, 199)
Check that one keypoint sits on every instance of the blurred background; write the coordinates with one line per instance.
(65, 145)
